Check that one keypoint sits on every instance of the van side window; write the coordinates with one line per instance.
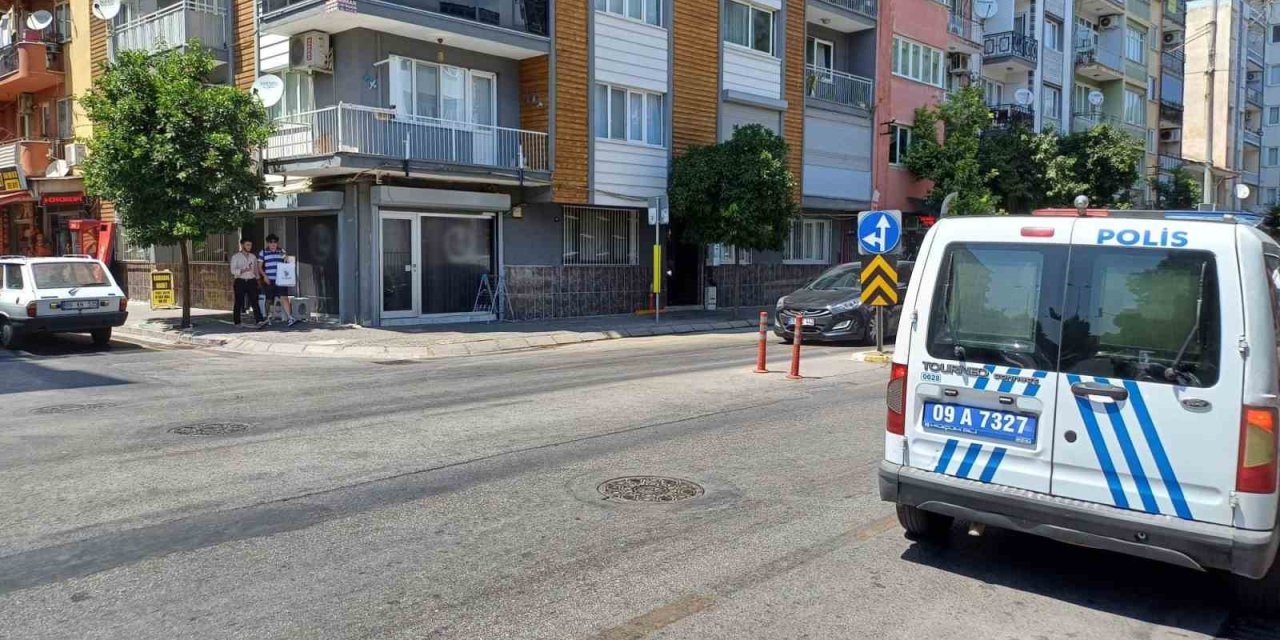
(1273, 276)
(998, 304)
(1143, 314)
(13, 276)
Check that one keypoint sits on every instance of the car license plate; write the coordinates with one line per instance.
(808, 322)
(80, 304)
(983, 423)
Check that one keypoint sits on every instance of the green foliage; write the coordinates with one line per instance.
(953, 163)
(174, 153)
(739, 192)
(1028, 170)
(1180, 191)
(1106, 163)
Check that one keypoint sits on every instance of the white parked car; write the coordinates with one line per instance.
(71, 294)
(1108, 380)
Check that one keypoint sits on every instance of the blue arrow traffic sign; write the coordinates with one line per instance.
(879, 232)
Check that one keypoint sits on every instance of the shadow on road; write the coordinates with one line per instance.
(1120, 585)
(24, 370)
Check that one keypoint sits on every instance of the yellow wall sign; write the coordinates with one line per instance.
(162, 293)
(11, 179)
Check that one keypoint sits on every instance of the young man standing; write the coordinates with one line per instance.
(269, 261)
(244, 268)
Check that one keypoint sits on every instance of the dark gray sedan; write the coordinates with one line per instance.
(832, 307)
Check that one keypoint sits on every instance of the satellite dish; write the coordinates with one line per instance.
(985, 9)
(57, 168)
(106, 9)
(1024, 97)
(1242, 191)
(39, 20)
(269, 89)
(1096, 98)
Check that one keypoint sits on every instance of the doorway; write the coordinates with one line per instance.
(433, 263)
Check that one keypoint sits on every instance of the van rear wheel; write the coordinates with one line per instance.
(924, 525)
(1259, 596)
(10, 336)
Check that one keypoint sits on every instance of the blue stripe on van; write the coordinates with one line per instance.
(1034, 387)
(1130, 454)
(947, 451)
(1157, 451)
(1100, 448)
(981, 383)
(970, 457)
(1006, 385)
(993, 464)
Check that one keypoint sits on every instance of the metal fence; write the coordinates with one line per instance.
(839, 87)
(1010, 43)
(173, 26)
(601, 236)
(867, 8)
(357, 129)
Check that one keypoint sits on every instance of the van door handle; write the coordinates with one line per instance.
(1118, 394)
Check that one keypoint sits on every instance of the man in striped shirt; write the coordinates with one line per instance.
(270, 259)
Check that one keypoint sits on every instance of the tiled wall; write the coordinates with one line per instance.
(562, 292)
(210, 283)
(759, 284)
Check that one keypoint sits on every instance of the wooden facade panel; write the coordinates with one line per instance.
(535, 99)
(97, 45)
(569, 180)
(244, 44)
(793, 90)
(696, 67)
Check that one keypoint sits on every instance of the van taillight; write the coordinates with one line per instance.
(896, 399)
(31, 309)
(1256, 469)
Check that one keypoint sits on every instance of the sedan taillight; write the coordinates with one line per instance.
(31, 309)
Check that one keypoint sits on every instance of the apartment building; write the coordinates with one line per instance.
(1269, 176)
(1172, 91)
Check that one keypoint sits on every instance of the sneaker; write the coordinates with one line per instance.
(292, 321)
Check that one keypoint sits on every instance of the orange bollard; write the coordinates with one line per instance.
(795, 348)
(764, 331)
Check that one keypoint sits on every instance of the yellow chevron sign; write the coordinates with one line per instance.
(879, 282)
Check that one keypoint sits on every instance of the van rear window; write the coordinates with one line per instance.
(1143, 314)
(998, 304)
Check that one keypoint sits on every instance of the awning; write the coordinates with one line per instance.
(14, 197)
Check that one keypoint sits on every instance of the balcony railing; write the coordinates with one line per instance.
(1253, 136)
(1253, 94)
(839, 87)
(173, 26)
(371, 131)
(1089, 120)
(868, 8)
(1250, 177)
(1169, 163)
(530, 16)
(1173, 61)
(1171, 110)
(1088, 53)
(11, 55)
(1010, 44)
(963, 27)
(1007, 115)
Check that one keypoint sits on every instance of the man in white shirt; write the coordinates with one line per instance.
(244, 268)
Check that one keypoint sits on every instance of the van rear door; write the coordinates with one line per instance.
(1149, 389)
(980, 394)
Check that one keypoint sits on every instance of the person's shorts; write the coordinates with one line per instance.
(273, 291)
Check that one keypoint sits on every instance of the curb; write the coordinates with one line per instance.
(422, 352)
(874, 357)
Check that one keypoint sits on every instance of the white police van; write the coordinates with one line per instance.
(1106, 380)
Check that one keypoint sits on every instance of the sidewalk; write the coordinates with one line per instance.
(214, 329)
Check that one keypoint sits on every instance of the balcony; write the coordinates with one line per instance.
(1099, 63)
(1170, 112)
(351, 138)
(1082, 121)
(31, 156)
(29, 66)
(845, 16)
(1169, 163)
(1004, 116)
(1257, 50)
(1175, 11)
(1251, 177)
(1173, 61)
(175, 25)
(1094, 8)
(1252, 136)
(966, 33)
(837, 87)
(1009, 51)
(1253, 95)
(515, 29)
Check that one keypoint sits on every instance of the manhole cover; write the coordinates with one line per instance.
(71, 408)
(648, 489)
(210, 429)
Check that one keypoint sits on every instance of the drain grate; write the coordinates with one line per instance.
(654, 489)
(210, 429)
(70, 408)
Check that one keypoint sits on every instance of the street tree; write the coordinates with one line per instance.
(1106, 163)
(1180, 191)
(739, 192)
(174, 153)
(1027, 170)
(953, 162)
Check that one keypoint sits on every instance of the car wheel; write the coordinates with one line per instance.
(869, 333)
(1259, 596)
(10, 336)
(924, 525)
(101, 337)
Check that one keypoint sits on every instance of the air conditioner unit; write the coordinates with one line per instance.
(1253, 76)
(1170, 135)
(1172, 37)
(309, 51)
(75, 153)
(1109, 22)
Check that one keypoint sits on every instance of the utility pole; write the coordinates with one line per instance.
(1210, 193)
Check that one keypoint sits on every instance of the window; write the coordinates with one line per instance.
(1275, 33)
(749, 26)
(63, 275)
(600, 236)
(1141, 312)
(630, 115)
(1135, 108)
(1051, 99)
(62, 22)
(820, 53)
(1135, 43)
(899, 143)
(299, 96)
(1273, 75)
(1053, 34)
(917, 62)
(1272, 157)
(644, 10)
(992, 92)
(13, 276)
(1152, 88)
(1272, 195)
(1086, 33)
(809, 242)
(431, 90)
(65, 127)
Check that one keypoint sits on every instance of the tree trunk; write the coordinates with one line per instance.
(186, 284)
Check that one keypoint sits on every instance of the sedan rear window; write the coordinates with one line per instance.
(65, 275)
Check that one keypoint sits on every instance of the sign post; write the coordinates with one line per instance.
(880, 236)
(659, 214)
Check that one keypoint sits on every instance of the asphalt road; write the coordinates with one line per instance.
(458, 499)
